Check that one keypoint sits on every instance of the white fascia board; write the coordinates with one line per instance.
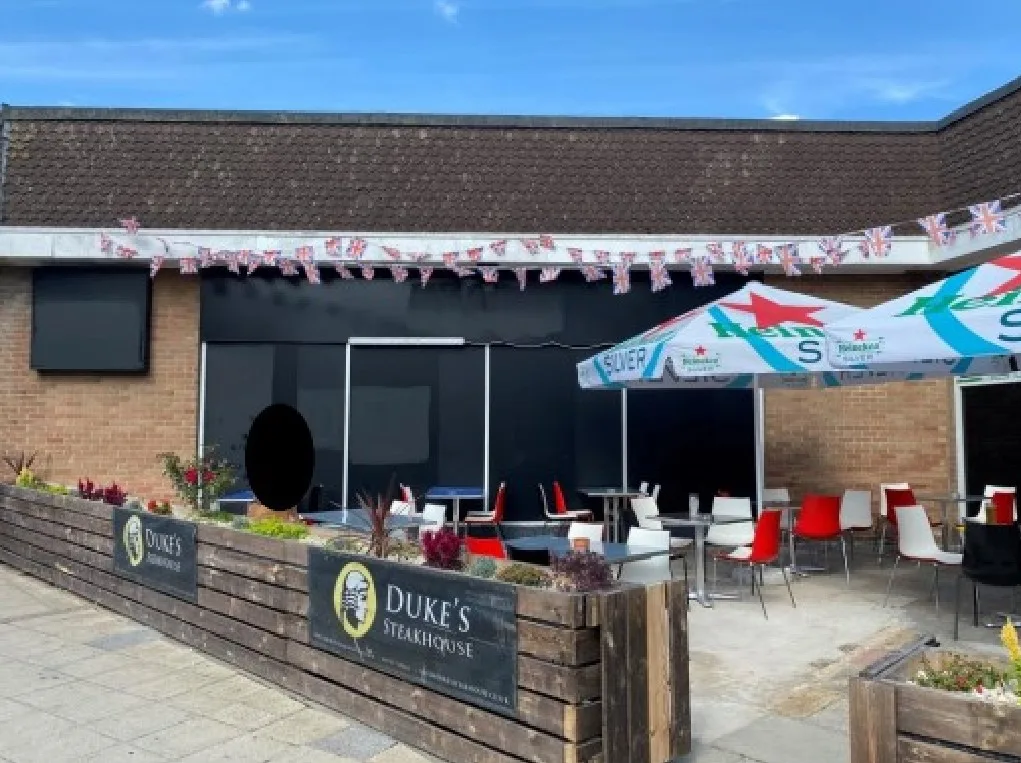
(37, 245)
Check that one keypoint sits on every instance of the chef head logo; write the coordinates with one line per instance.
(134, 543)
(354, 599)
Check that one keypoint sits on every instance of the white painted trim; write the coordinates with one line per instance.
(486, 425)
(37, 245)
(406, 341)
(347, 416)
(623, 439)
(201, 439)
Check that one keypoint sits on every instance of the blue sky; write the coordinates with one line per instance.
(714, 58)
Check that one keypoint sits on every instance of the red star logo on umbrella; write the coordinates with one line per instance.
(700, 350)
(860, 335)
(769, 313)
(1012, 284)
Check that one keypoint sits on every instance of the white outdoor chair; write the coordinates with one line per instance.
(655, 492)
(408, 496)
(776, 495)
(647, 570)
(644, 508)
(401, 509)
(732, 534)
(591, 530)
(554, 516)
(855, 513)
(643, 488)
(434, 517)
(915, 542)
(883, 521)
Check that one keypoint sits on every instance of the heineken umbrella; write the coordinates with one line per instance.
(969, 322)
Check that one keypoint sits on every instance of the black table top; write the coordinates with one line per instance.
(615, 553)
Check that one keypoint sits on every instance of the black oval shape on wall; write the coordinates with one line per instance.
(279, 457)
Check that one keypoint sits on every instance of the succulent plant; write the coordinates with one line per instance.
(525, 575)
(482, 567)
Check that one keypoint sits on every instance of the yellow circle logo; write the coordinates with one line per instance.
(354, 599)
(134, 543)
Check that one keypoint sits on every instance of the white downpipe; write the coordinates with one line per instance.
(347, 416)
(623, 439)
(200, 443)
(485, 446)
(760, 443)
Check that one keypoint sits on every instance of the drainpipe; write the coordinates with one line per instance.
(5, 139)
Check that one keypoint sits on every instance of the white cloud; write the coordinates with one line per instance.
(786, 117)
(447, 10)
(220, 7)
(903, 91)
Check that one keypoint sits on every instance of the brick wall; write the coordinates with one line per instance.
(105, 428)
(829, 440)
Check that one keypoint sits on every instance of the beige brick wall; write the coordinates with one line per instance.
(829, 440)
(104, 428)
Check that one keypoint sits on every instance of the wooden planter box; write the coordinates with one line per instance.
(893, 721)
(600, 678)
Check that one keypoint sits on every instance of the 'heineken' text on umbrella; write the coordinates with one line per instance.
(971, 319)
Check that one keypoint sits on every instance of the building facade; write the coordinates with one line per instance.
(465, 381)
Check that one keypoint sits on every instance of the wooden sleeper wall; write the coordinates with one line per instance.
(251, 612)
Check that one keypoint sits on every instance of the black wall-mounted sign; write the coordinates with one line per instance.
(456, 635)
(156, 551)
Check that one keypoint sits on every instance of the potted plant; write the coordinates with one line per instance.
(198, 481)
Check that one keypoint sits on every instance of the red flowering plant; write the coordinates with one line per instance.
(90, 491)
(159, 507)
(442, 549)
(198, 481)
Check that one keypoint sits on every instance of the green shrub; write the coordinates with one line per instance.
(240, 523)
(482, 567)
(524, 574)
(274, 527)
(56, 489)
(220, 516)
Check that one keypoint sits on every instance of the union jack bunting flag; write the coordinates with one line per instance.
(189, 266)
(232, 263)
(832, 248)
(592, 273)
(763, 254)
(627, 259)
(659, 278)
(398, 274)
(603, 258)
(546, 242)
(343, 272)
(682, 256)
(935, 227)
(130, 224)
(531, 244)
(863, 248)
(424, 274)
(879, 240)
(287, 268)
(126, 252)
(332, 245)
(522, 276)
(475, 253)
(245, 258)
(817, 263)
(105, 243)
(270, 256)
(621, 279)
(311, 272)
(789, 259)
(463, 272)
(450, 259)
(742, 260)
(715, 252)
(206, 257)
(420, 256)
(356, 248)
(489, 274)
(657, 258)
(987, 217)
(702, 273)
(392, 252)
(304, 254)
(499, 248)
(154, 265)
(368, 272)
(576, 255)
(549, 274)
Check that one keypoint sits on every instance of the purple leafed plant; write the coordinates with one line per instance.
(378, 510)
(442, 549)
(581, 571)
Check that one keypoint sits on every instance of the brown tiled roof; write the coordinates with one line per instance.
(420, 173)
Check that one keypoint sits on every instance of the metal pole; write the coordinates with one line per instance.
(760, 443)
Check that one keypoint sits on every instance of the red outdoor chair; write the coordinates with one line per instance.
(1003, 507)
(492, 547)
(765, 549)
(819, 520)
(494, 517)
(560, 504)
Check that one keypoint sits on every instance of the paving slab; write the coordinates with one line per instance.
(782, 740)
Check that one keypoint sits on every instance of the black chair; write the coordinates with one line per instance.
(992, 556)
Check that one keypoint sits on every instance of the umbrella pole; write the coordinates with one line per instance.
(760, 443)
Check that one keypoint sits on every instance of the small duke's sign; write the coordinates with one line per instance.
(156, 551)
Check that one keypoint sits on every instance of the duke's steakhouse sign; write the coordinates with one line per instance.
(156, 551)
(450, 633)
